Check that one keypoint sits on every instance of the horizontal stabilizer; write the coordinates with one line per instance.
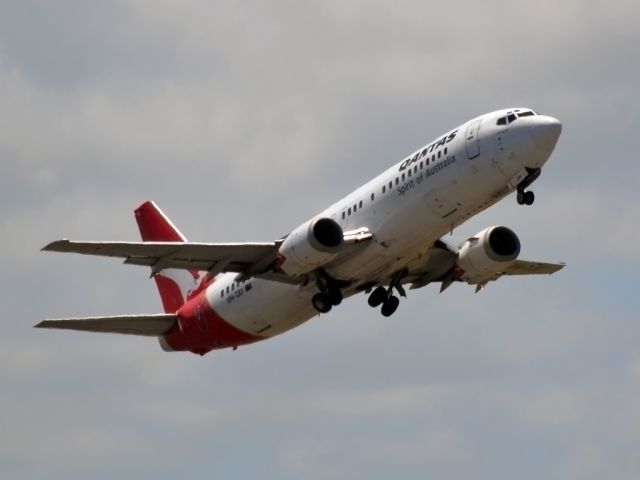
(145, 325)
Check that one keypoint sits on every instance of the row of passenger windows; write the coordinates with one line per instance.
(408, 174)
(354, 209)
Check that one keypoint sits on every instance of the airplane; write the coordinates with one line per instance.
(384, 236)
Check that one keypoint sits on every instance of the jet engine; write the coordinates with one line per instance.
(487, 253)
(310, 246)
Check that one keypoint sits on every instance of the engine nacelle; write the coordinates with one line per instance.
(487, 253)
(310, 246)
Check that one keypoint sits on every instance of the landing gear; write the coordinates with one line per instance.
(377, 297)
(525, 198)
(330, 294)
(390, 305)
(384, 296)
(322, 302)
(335, 295)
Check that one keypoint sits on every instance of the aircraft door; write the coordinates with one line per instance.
(472, 141)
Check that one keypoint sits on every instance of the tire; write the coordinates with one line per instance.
(529, 197)
(335, 296)
(390, 306)
(377, 297)
(520, 197)
(321, 302)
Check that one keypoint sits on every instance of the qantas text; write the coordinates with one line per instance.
(405, 187)
(428, 149)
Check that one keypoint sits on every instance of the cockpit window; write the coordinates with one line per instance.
(514, 115)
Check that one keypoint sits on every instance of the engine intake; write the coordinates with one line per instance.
(487, 253)
(310, 246)
(326, 235)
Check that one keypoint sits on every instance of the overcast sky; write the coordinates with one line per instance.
(243, 119)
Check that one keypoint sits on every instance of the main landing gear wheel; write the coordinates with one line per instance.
(525, 198)
(335, 296)
(377, 297)
(321, 302)
(390, 305)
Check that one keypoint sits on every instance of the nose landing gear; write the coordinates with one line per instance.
(527, 197)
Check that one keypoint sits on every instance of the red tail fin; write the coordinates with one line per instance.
(174, 285)
(155, 226)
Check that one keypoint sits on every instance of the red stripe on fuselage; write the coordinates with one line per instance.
(200, 329)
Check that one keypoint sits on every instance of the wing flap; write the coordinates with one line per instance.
(144, 325)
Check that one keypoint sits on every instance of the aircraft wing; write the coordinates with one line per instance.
(525, 267)
(247, 258)
(440, 260)
(145, 325)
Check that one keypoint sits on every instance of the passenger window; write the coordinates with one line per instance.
(415, 169)
(408, 173)
(384, 188)
(390, 185)
(360, 204)
(221, 293)
(433, 157)
(227, 289)
(397, 180)
(343, 215)
(372, 197)
(403, 177)
(445, 150)
(439, 153)
(421, 165)
(355, 207)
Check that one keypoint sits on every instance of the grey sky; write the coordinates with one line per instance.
(242, 119)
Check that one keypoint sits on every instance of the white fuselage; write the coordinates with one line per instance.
(406, 208)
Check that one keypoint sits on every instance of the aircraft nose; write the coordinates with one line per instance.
(545, 132)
